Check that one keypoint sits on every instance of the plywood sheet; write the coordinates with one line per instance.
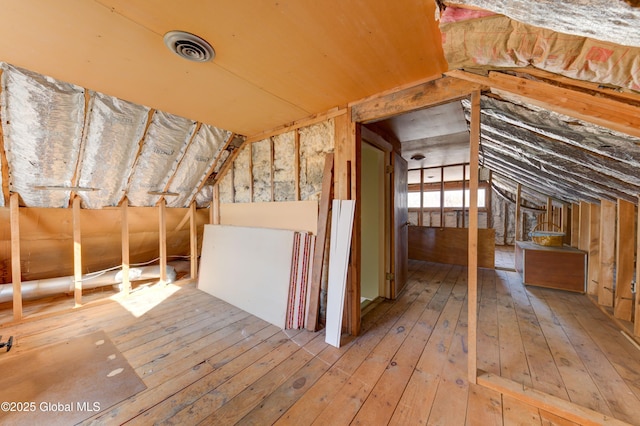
(248, 268)
(67, 382)
(294, 215)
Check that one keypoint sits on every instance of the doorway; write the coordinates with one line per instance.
(373, 214)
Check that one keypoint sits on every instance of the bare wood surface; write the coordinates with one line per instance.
(593, 275)
(518, 218)
(584, 239)
(16, 273)
(162, 238)
(607, 252)
(77, 252)
(625, 260)
(193, 240)
(321, 237)
(575, 225)
(450, 245)
(124, 224)
(213, 361)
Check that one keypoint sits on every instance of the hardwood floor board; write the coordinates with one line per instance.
(544, 372)
(484, 407)
(580, 387)
(488, 345)
(417, 399)
(321, 394)
(261, 354)
(450, 403)
(517, 413)
(358, 389)
(513, 360)
(610, 385)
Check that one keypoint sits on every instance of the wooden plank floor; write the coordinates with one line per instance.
(207, 362)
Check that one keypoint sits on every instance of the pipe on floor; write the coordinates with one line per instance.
(47, 287)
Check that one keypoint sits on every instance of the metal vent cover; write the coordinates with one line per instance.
(189, 46)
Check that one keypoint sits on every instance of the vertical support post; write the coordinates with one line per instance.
(518, 218)
(464, 179)
(77, 252)
(214, 213)
(441, 197)
(421, 211)
(549, 214)
(162, 239)
(16, 273)
(594, 250)
(607, 251)
(296, 162)
(490, 201)
(250, 148)
(584, 239)
(625, 256)
(124, 224)
(193, 240)
(636, 320)
(474, 143)
(566, 228)
(575, 225)
(272, 172)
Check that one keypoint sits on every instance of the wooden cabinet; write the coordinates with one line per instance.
(564, 268)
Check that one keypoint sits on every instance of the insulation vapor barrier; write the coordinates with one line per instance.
(261, 162)
(47, 287)
(315, 142)
(164, 145)
(479, 39)
(42, 125)
(113, 131)
(196, 163)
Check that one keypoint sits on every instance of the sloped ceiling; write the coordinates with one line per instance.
(276, 61)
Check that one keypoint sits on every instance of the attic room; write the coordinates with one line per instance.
(410, 212)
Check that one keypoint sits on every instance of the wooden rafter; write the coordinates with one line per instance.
(137, 159)
(173, 176)
(76, 172)
(212, 167)
(4, 164)
(604, 111)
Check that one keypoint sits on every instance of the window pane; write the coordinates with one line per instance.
(414, 200)
(432, 199)
(413, 176)
(453, 198)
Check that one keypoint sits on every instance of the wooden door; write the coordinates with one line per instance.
(400, 225)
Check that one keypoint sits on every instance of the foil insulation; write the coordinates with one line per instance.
(165, 143)
(42, 124)
(113, 132)
(196, 164)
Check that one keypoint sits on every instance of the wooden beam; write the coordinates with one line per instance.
(584, 239)
(442, 197)
(421, 212)
(636, 318)
(175, 171)
(272, 169)
(215, 206)
(518, 217)
(575, 224)
(625, 258)
(212, 167)
(162, 239)
(16, 273)
(4, 164)
(566, 223)
(305, 122)
(320, 244)
(431, 93)
(549, 214)
(79, 158)
(474, 143)
(124, 224)
(77, 252)
(140, 145)
(601, 110)
(594, 250)
(296, 163)
(607, 252)
(250, 148)
(565, 409)
(193, 241)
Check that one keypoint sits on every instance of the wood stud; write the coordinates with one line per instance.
(16, 273)
(625, 257)
(607, 252)
(77, 252)
(474, 142)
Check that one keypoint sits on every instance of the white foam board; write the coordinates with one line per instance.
(248, 268)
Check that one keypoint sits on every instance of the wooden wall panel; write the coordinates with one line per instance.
(625, 257)
(594, 250)
(449, 245)
(584, 224)
(607, 252)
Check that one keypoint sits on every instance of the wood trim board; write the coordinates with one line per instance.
(342, 217)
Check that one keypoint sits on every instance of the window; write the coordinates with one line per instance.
(452, 199)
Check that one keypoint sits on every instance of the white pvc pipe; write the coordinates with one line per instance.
(50, 286)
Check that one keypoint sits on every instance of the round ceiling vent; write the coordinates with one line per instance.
(189, 46)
